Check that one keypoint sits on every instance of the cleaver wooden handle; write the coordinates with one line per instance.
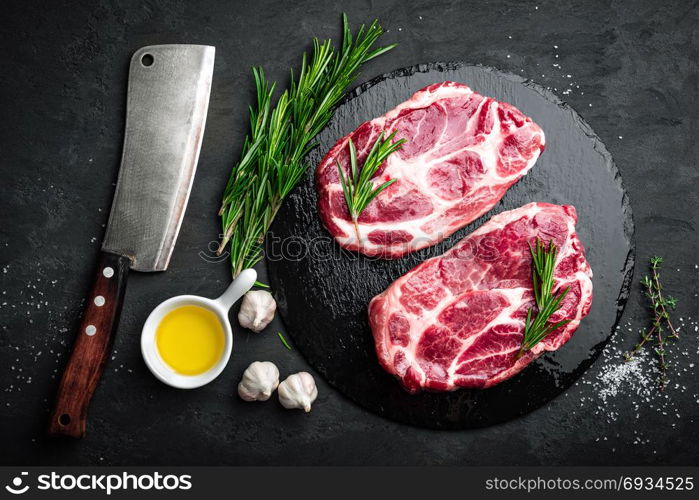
(91, 348)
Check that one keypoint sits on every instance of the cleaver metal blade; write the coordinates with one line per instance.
(168, 97)
(167, 102)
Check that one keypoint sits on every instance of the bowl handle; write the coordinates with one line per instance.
(237, 289)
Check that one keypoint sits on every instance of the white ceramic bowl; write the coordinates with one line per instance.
(219, 306)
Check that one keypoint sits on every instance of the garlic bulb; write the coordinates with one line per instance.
(259, 381)
(298, 391)
(257, 310)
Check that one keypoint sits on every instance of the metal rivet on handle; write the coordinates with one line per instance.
(99, 301)
(91, 330)
(108, 272)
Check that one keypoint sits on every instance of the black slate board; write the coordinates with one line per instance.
(323, 291)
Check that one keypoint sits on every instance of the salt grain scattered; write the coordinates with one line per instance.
(619, 385)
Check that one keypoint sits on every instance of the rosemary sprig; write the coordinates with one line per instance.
(281, 337)
(281, 135)
(543, 265)
(357, 186)
(662, 329)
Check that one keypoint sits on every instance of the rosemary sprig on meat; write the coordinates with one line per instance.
(661, 329)
(537, 325)
(281, 135)
(357, 185)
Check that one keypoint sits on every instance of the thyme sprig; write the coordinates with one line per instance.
(357, 185)
(662, 329)
(281, 135)
(543, 266)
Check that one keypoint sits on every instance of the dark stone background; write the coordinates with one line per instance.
(63, 69)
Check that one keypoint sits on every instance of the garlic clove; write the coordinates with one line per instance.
(298, 391)
(259, 381)
(257, 310)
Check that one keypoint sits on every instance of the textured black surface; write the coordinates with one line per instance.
(575, 169)
(63, 73)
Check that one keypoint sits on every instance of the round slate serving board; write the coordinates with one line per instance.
(323, 291)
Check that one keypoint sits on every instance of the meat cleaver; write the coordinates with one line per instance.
(167, 101)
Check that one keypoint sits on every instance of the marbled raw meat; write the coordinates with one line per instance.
(457, 320)
(464, 151)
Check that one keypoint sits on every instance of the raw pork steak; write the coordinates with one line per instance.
(464, 151)
(458, 320)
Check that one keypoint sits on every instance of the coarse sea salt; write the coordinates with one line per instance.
(619, 385)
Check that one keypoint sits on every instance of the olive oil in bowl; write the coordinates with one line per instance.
(187, 340)
(190, 339)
